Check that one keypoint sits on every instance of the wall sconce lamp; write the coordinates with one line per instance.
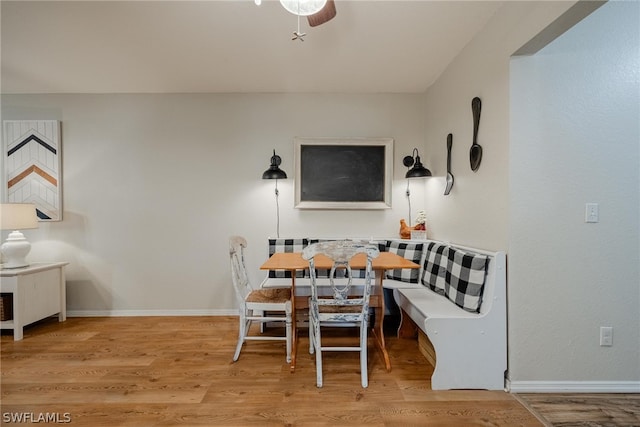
(16, 217)
(418, 170)
(274, 172)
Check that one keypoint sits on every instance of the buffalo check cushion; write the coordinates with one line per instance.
(464, 280)
(286, 245)
(435, 266)
(382, 247)
(410, 251)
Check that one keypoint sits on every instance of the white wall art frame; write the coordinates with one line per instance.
(32, 160)
(343, 173)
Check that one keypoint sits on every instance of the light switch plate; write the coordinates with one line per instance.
(606, 336)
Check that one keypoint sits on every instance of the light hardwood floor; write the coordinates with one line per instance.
(166, 371)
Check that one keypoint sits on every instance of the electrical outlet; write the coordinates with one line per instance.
(606, 336)
(591, 213)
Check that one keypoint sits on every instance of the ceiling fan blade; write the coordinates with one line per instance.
(325, 14)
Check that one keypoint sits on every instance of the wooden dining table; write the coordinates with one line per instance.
(293, 262)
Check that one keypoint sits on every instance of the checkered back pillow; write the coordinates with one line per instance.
(382, 247)
(286, 245)
(434, 268)
(464, 281)
(411, 251)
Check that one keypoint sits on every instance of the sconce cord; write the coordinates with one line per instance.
(409, 201)
(277, 212)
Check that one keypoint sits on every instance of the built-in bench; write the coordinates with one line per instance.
(460, 314)
(455, 303)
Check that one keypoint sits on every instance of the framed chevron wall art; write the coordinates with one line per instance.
(32, 166)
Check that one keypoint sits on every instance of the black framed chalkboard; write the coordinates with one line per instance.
(350, 173)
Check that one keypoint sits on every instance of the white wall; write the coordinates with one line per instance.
(153, 185)
(476, 212)
(576, 139)
(583, 148)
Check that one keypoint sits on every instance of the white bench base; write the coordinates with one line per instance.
(470, 348)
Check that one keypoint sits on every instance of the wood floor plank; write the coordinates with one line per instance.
(459, 413)
(597, 409)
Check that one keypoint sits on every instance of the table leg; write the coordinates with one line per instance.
(62, 316)
(294, 323)
(18, 313)
(378, 328)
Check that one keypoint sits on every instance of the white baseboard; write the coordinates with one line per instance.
(573, 386)
(133, 313)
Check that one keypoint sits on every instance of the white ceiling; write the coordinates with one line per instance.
(230, 46)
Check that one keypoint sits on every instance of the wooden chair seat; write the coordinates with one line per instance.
(270, 295)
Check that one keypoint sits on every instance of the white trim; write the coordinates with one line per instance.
(141, 313)
(573, 386)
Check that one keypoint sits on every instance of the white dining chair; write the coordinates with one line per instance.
(257, 305)
(346, 306)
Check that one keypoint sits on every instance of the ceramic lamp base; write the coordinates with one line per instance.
(15, 250)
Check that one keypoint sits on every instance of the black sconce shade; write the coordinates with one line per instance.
(274, 172)
(418, 170)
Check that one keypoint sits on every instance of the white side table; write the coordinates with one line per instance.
(38, 290)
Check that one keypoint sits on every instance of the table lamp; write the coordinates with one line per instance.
(16, 217)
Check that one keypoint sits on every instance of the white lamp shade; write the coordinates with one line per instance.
(18, 216)
(303, 7)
